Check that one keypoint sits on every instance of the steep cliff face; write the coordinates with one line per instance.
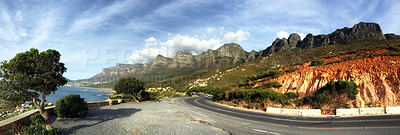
(360, 31)
(226, 55)
(378, 79)
(161, 62)
(112, 73)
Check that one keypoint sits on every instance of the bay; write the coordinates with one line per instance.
(89, 94)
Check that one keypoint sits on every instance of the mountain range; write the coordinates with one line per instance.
(184, 63)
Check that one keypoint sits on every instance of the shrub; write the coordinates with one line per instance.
(189, 93)
(290, 95)
(291, 70)
(274, 73)
(129, 86)
(251, 78)
(271, 84)
(71, 106)
(395, 48)
(317, 62)
(36, 119)
(122, 96)
(35, 128)
(331, 90)
(39, 130)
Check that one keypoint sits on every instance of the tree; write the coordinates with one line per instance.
(32, 73)
(129, 85)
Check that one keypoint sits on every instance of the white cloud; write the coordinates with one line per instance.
(151, 42)
(236, 37)
(145, 55)
(211, 29)
(282, 34)
(191, 44)
(93, 18)
(174, 44)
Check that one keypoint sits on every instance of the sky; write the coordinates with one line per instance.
(95, 34)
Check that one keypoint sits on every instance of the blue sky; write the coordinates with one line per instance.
(94, 34)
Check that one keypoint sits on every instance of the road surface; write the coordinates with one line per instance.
(239, 121)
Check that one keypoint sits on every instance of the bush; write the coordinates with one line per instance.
(290, 95)
(331, 90)
(271, 84)
(251, 78)
(274, 73)
(129, 86)
(291, 70)
(39, 130)
(35, 128)
(317, 62)
(122, 96)
(36, 119)
(71, 106)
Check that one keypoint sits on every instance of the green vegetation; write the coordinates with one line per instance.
(271, 84)
(290, 95)
(331, 91)
(122, 96)
(291, 70)
(129, 85)
(71, 106)
(394, 48)
(30, 73)
(36, 119)
(317, 62)
(36, 128)
(257, 95)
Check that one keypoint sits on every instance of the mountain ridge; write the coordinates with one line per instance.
(233, 54)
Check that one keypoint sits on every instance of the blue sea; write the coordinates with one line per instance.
(91, 95)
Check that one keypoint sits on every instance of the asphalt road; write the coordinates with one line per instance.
(238, 121)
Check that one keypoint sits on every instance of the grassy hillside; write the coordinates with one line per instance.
(235, 75)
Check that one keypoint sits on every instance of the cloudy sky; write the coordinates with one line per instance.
(94, 34)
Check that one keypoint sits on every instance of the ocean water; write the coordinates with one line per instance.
(91, 95)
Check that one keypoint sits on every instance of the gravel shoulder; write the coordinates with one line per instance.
(166, 117)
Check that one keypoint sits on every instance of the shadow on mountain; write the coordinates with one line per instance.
(95, 116)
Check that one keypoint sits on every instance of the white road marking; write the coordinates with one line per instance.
(303, 121)
(263, 131)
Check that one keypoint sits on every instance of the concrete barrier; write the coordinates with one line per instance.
(273, 110)
(97, 104)
(310, 112)
(344, 112)
(372, 111)
(8, 126)
(392, 110)
(291, 111)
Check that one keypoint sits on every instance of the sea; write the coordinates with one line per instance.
(89, 94)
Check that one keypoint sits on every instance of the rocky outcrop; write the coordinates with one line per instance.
(182, 60)
(360, 31)
(392, 36)
(116, 72)
(161, 62)
(293, 40)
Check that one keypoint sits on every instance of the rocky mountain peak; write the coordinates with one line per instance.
(161, 61)
(360, 31)
(182, 60)
(364, 30)
(293, 40)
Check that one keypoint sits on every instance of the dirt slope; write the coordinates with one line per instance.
(377, 77)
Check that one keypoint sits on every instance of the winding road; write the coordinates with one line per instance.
(239, 121)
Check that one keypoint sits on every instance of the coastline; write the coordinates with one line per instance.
(105, 90)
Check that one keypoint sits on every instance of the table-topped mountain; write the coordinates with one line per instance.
(227, 55)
